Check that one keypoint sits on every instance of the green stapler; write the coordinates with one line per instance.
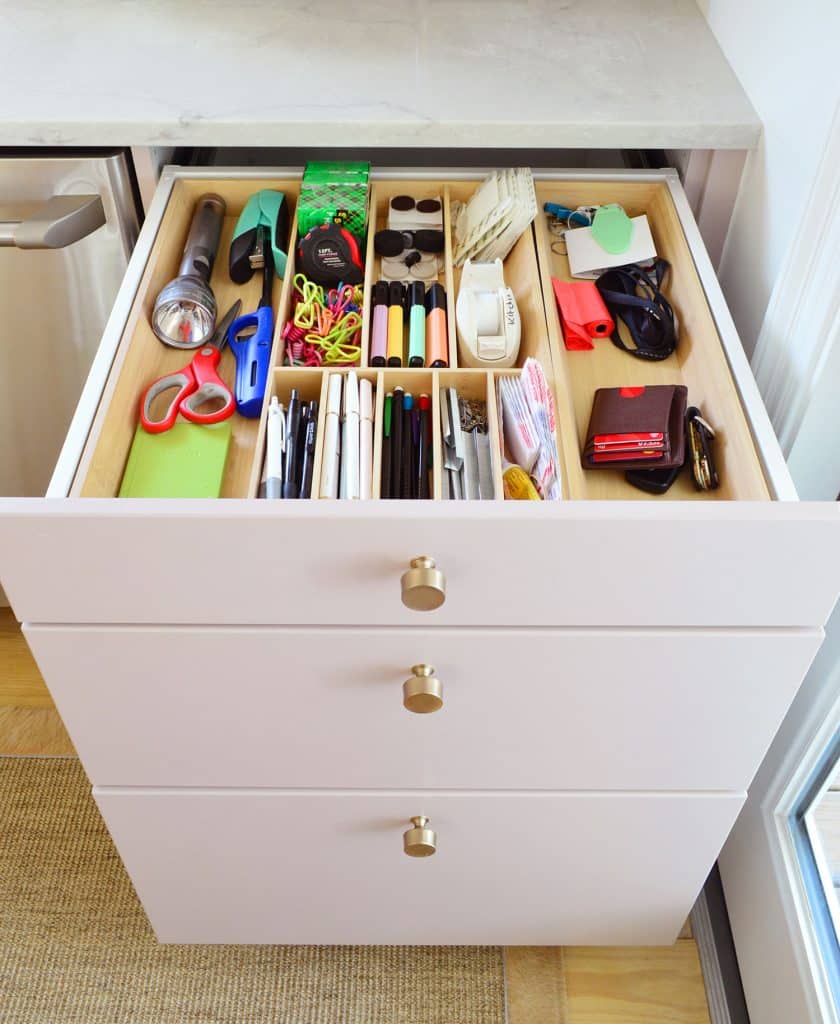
(267, 210)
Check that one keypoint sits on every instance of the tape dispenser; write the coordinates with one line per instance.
(487, 317)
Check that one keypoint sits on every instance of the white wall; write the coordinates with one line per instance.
(786, 57)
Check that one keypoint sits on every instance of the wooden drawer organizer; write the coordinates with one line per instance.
(699, 363)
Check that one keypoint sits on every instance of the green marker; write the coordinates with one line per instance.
(385, 491)
(415, 300)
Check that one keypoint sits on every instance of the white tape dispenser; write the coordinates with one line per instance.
(487, 317)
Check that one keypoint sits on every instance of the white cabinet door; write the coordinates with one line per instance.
(510, 869)
(534, 709)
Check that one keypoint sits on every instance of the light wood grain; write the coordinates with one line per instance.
(605, 985)
(141, 357)
(21, 683)
(33, 732)
(699, 362)
(535, 983)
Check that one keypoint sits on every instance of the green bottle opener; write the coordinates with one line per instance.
(265, 209)
(612, 229)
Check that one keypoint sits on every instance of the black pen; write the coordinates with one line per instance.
(396, 442)
(407, 481)
(291, 482)
(308, 450)
(423, 448)
(385, 489)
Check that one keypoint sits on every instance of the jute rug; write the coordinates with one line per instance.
(75, 947)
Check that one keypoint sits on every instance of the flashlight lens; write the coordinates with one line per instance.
(185, 313)
(185, 324)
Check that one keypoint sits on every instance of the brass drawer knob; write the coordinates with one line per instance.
(423, 693)
(423, 585)
(420, 841)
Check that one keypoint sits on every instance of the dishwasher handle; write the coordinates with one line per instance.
(61, 221)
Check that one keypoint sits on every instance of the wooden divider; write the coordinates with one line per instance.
(699, 362)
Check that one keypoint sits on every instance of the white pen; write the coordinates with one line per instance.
(349, 483)
(275, 443)
(329, 466)
(365, 439)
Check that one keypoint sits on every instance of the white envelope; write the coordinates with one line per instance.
(587, 259)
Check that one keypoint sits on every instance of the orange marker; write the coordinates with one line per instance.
(437, 334)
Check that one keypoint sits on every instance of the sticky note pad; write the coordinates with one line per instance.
(187, 461)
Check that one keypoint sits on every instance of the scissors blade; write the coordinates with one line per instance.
(220, 337)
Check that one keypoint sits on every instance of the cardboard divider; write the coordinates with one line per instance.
(141, 358)
(699, 361)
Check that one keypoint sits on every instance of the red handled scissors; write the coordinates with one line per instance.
(197, 384)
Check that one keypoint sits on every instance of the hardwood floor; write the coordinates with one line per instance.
(29, 722)
(545, 985)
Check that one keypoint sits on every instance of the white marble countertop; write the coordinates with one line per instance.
(439, 73)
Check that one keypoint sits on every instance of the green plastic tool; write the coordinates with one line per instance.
(265, 209)
(612, 229)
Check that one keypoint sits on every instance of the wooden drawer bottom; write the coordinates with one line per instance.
(247, 866)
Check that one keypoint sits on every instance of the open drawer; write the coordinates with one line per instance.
(747, 555)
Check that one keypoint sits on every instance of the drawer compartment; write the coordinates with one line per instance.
(324, 868)
(522, 709)
(92, 558)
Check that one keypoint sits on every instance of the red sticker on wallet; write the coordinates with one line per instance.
(601, 439)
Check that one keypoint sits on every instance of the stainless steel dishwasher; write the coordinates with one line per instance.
(68, 223)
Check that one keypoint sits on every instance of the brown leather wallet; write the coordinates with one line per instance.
(636, 428)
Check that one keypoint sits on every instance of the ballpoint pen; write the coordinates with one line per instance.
(365, 439)
(349, 472)
(329, 467)
(407, 476)
(275, 448)
(291, 483)
(396, 442)
(387, 408)
(425, 405)
(309, 451)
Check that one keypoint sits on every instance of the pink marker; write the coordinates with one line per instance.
(379, 329)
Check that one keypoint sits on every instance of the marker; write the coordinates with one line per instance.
(385, 489)
(416, 323)
(290, 480)
(309, 451)
(425, 405)
(329, 469)
(275, 448)
(396, 442)
(437, 345)
(365, 439)
(349, 474)
(395, 323)
(406, 474)
(379, 328)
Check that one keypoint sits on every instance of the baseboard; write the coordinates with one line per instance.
(710, 927)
